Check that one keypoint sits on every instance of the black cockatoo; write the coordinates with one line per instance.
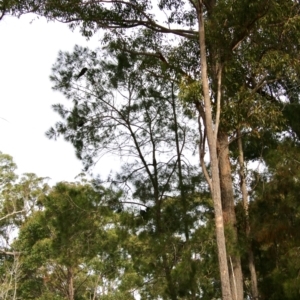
(81, 73)
(145, 213)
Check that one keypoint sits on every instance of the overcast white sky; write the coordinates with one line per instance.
(27, 53)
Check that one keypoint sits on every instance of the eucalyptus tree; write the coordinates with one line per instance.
(18, 197)
(261, 36)
(18, 201)
(69, 248)
(8, 259)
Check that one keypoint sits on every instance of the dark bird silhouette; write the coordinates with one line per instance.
(81, 73)
(145, 213)
(81, 122)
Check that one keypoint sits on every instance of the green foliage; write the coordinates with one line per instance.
(18, 201)
(146, 122)
(66, 238)
(7, 170)
(275, 223)
(149, 64)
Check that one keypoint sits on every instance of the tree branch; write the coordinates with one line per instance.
(10, 253)
(11, 214)
(202, 153)
(219, 94)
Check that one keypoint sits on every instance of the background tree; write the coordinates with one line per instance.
(18, 200)
(145, 123)
(274, 221)
(68, 247)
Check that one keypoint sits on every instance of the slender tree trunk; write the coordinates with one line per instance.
(235, 269)
(70, 277)
(251, 264)
(180, 176)
(211, 130)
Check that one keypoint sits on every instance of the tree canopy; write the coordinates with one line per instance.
(174, 77)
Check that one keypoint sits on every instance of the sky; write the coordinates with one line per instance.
(28, 49)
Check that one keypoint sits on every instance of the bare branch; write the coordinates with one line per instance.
(219, 93)
(12, 253)
(11, 214)
(202, 153)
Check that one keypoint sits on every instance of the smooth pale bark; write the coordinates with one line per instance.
(251, 264)
(235, 269)
(211, 139)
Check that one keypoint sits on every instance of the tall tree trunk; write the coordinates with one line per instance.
(211, 129)
(251, 264)
(235, 268)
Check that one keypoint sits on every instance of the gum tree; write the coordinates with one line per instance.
(237, 46)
